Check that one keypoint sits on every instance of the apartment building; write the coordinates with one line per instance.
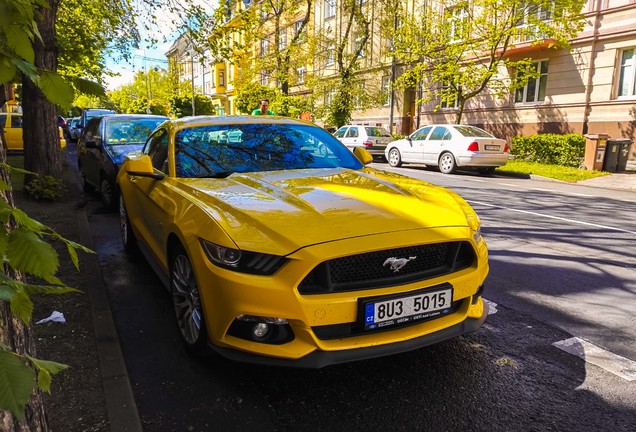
(589, 89)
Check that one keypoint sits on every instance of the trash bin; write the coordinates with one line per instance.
(623, 155)
(595, 151)
(616, 154)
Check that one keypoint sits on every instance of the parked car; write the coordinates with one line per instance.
(103, 146)
(450, 146)
(74, 130)
(276, 252)
(89, 113)
(12, 124)
(373, 138)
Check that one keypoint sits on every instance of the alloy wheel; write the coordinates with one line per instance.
(185, 298)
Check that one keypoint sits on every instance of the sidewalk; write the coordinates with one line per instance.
(625, 180)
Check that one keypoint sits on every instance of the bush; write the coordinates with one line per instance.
(44, 188)
(554, 149)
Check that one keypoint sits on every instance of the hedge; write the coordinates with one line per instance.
(555, 149)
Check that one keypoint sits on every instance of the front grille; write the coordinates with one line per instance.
(374, 269)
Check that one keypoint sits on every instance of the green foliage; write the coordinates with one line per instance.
(24, 246)
(566, 150)
(181, 106)
(44, 188)
(250, 95)
(150, 90)
(557, 172)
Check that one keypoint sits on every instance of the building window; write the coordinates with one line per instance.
(298, 26)
(230, 73)
(282, 39)
(331, 54)
(627, 84)
(449, 97)
(534, 91)
(358, 97)
(222, 78)
(264, 77)
(533, 12)
(300, 75)
(386, 90)
(330, 8)
(329, 97)
(357, 45)
(457, 21)
(264, 46)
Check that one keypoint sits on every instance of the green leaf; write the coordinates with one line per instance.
(56, 89)
(22, 219)
(6, 292)
(88, 87)
(30, 254)
(48, 289)
(27, 69)
(22, 306)
(46, 369)
(18, 40)
(7, 69)
(17, 380)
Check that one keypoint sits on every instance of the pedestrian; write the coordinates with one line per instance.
(264, 109)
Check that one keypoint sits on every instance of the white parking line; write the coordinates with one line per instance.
(509, 184)
(492, 307)
(553, 217)
(618, 365)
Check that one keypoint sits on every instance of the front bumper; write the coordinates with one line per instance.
(320, 359)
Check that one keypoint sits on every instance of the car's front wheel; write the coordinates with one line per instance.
(86, 187)
(127, 236)
(187, 302)
(447, 164)
(395, 159)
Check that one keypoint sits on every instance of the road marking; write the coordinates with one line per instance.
(583, 195)
(553, 217)
(618, 365)
(509, 184)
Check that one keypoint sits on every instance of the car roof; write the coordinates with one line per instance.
(134, 116)
(188, 122)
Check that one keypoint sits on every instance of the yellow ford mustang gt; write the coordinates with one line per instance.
(279, 246)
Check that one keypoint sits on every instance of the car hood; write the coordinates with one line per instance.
(118, 152)
(293, 209)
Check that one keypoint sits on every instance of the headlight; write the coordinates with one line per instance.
(471, 216)
(242, 261)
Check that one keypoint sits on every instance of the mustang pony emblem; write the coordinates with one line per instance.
(397, 263)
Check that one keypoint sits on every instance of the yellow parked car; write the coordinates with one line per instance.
(280, 246)
(12, 124)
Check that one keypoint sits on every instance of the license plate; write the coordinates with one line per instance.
(400, 310)
(492, 147)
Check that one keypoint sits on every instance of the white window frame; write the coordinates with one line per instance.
(445, 105)
(264, 77)
(265, 46)
(330, 8)
(457, 21)
(536, 83)
(331, 55)
(627, 74)
(300, 74)
(386, 90)
(282, 39)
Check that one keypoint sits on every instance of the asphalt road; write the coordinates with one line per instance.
(562, 266)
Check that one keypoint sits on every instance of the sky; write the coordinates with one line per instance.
(147, 56)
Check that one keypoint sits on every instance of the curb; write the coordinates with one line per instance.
(121, 407)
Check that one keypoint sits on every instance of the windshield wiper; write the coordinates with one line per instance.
(221, 174)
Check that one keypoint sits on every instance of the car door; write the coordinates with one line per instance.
(414, 151)
(148, 205)
(13, 131)
(340, 134)
(352, 138)
(436, 143)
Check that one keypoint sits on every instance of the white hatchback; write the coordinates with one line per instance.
(373, 138)
(450, 146)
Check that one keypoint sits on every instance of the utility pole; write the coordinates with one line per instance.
(392, 79)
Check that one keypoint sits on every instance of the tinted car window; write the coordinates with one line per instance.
(377, 132)
(472, 131)
(129, 131)
(340, 132)
(438, 133)
(16, 121)
(352, 132)
(157, 149)
(421, 133)
(220, 150)
(3, 120)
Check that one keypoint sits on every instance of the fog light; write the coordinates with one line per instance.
(260, 330)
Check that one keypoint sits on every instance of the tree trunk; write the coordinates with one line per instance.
(40, 129)
(18, 337)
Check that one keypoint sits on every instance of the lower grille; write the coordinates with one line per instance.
(388, 267)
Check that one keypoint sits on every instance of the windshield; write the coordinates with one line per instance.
(130, 131)
(220, 150)
(377, 132)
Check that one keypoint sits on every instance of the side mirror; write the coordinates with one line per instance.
(363, 155)
(141, 166)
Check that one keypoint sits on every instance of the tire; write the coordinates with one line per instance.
(446, 163)
(486, 170)
(127, 236)
(395, 159)
(187, 303)
(86, 187)
(108, 193)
